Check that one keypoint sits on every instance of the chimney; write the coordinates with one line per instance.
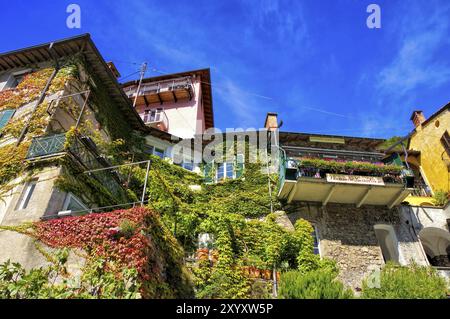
(271, 123)
(113, 69)
(417, 118)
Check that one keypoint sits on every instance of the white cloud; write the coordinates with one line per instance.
(414, 65)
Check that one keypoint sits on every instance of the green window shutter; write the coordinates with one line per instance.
(239, 165)
(208, 172)
(5, 116)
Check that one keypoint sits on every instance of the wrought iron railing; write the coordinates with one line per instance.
(83, 150)
(46, 145)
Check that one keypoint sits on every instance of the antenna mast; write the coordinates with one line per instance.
(143, 70)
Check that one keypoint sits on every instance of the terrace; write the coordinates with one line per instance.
(343, 181)
(169, 90)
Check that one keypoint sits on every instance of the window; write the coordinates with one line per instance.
(158, 152)
(316, 241)
(73, 204)
(445, 140)
(148, 149)
(225, 171)
(26, 195)
(220, 171)
(151, 116)
(5, 116)
(15, 79)
(151, 150)
(188, 165)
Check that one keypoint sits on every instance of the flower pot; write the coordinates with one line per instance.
(214, 256)
(267, 274)
(245, 270)
(203, 254)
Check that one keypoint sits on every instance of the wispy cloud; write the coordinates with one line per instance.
(284, 18)
(414, 64)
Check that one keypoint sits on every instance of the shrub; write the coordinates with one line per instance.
(440, 198)
(127, 228)
(316, 284)
(400, 282)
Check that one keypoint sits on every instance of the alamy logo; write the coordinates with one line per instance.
(374, 19)
(374, 279)
(73, 21)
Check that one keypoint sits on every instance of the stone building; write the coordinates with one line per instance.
(354, 197)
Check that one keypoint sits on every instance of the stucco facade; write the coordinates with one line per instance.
(433, 161)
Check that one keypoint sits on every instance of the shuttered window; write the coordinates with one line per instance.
(445, 140)
(5, 116)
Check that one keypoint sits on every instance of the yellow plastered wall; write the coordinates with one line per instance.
(434, 160)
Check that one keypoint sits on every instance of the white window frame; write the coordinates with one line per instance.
(12, 79)
(26, 195)
(69, 197)
(225, 166)
(154, 114)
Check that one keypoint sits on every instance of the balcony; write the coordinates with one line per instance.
(358, 183)
(46, 146)
(81, 150)
(156, 118)
(166, 91)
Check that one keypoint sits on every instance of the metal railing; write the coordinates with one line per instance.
(421, 189)
(83, 150)
(288, 164)
(44, 146)
(160, 86)
(155, 117)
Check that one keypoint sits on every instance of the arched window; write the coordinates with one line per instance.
(436, 243)
(388, 242)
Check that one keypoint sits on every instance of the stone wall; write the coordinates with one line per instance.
(347, 235)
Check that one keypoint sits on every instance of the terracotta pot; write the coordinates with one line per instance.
(203, 254)
(257, 273)
(214, 256)
(245, 270)
(278, 276)
(267, 274)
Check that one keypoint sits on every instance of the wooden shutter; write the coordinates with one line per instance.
(239, 165)
(208, 172)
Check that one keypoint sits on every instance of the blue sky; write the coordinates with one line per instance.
(314, 62)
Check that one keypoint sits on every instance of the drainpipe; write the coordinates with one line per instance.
(43, 94)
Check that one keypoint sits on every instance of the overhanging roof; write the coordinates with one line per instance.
(357, 143)
(205, 76)
(31, 56)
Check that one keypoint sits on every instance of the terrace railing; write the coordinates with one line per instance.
(83, 150)
(309, 170)
(45, 146)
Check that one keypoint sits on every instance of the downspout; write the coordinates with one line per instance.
(42, 96)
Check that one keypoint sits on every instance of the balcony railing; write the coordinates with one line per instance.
(83, 150)
(170, 90)
(156, 118)
(320, 168)
(358, 183)
(421, 189)
(45, 146)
